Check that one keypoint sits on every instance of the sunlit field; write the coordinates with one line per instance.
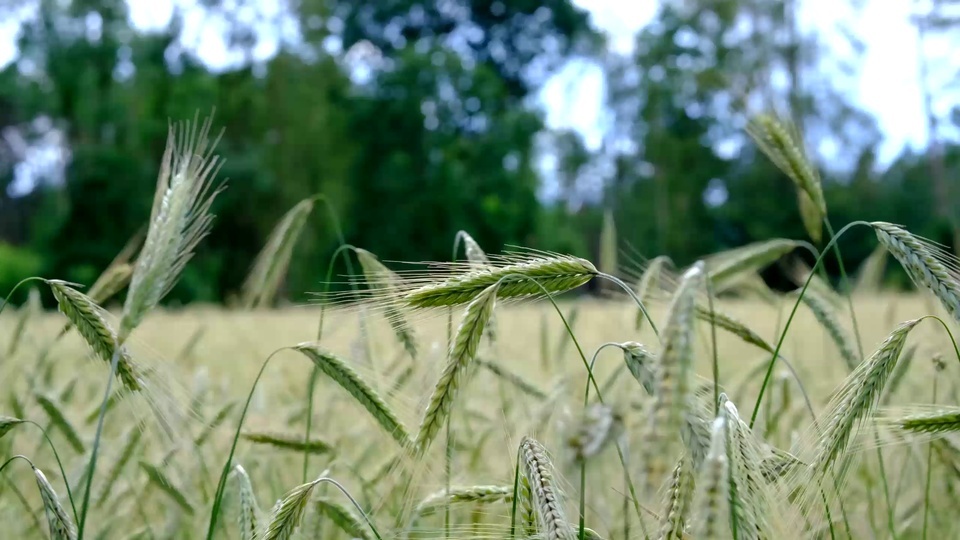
(213, 356)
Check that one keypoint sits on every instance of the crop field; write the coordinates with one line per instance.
(485, 398)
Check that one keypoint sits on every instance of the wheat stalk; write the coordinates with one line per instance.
(31, 308)
(180, 219)
(463, 350)
(348, 379)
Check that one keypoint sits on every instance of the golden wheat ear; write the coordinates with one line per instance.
(180, 219)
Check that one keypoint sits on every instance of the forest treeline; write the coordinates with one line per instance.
(416, 119)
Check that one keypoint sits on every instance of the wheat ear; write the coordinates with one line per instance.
(712, 498)
(54, 411)
(725, 267)
(555, 274)
(934, 420)
(7, 423)
(159, 479)
(378, 275)
(516, 380)
(827, 318)
(98, 334)
(348, 379)
(857, 398)
(642, 365)
(126, 453)
(462, 495)
(288, 513)
(545, 498)
(288, 441)
(61, 526)
(249, 511)
(270, 265)
(925, 263)
(673, 520)
(463, 350)
(735, 327)
(180, 219)
(600, 425)
(648, 282)
(673, 380)
(344, 518)
(780, 142)
(478, 259)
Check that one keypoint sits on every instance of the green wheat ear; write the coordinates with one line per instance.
(180, 219)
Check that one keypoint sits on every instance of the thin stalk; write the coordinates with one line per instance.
(23, 500)
(926, 488)
(91, 468)
(56, 456)
(583, 497)
(633, 295)
(583, 463)
(17, 286)
(793, 312)
(592, 379)
(856, 333)
(516, 496)
(217, 499)
(448, 450)
(716, 357)
(315, 371)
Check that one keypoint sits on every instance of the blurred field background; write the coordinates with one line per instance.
(612, 133)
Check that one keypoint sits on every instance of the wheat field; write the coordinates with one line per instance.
(486, 397)
(215, 354)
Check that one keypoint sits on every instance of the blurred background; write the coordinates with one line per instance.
(521, 122)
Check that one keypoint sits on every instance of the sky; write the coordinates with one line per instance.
(886, 84)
